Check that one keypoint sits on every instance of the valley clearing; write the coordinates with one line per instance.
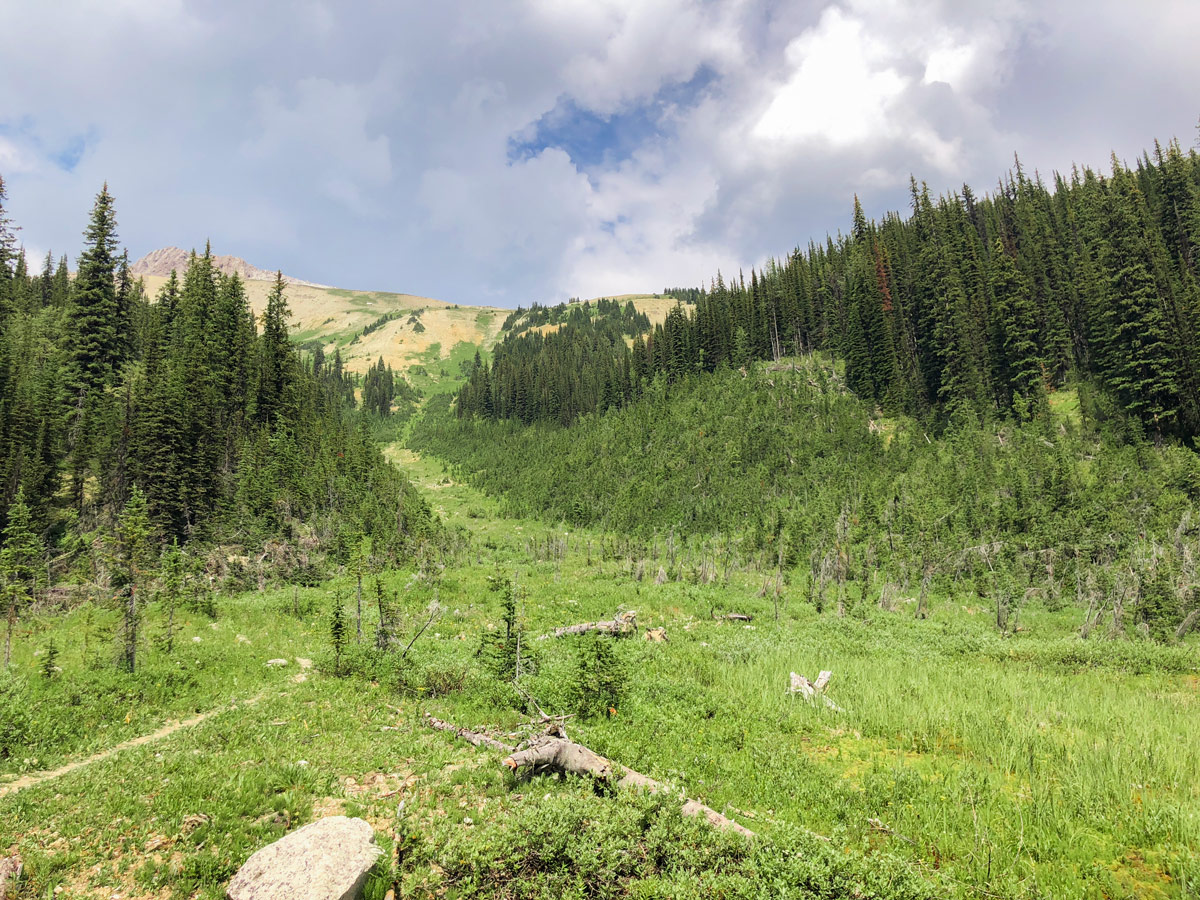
(960, 763)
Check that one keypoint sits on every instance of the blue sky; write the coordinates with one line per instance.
(595, 140)
(510, 152)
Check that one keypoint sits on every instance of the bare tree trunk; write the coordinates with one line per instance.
(925, 579)
(472, 737)
(131, 628)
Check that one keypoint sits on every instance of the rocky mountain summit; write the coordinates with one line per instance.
(167, 259)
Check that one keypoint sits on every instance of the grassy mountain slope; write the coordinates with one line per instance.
(426, 339)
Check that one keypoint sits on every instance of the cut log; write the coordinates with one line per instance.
(822, 679)
(623, 624)
(472, 737)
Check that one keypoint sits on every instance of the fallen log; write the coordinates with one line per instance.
(734, 617)
(564, 756)
(622, 624)
(472, 737)
(558, 754)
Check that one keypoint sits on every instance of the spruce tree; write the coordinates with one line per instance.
(7, 243)
(1017, 326)
(95, 314)
(1136, 330)
(275, 356)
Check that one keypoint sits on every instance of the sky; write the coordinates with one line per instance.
(516, 151)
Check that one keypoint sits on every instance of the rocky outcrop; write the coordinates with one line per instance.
(326, 860)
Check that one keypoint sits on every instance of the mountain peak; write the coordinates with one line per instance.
(166, 259)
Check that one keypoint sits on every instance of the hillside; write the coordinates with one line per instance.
(418, 336)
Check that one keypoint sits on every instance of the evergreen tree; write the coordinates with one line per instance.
(1017, 359)
(133, 560)
(95, 313)
(275, 357)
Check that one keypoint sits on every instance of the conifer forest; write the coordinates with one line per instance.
(871, 572)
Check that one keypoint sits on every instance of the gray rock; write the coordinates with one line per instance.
(325, 860)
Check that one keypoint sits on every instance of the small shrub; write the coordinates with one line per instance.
(599, 679)
(50, 663)
(443, 680)
(15, 723)
(338, 634)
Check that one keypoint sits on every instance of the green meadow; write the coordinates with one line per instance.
(960, 763)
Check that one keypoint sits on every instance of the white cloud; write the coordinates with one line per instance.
(840, 90)
(323, 130)
(949, 63)
(367, 144)
(13, 159)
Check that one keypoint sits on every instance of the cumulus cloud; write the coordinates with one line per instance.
(538, 149)
(840, 90)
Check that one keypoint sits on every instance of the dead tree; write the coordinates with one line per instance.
(622, 624)
(1187, 624)
(570, 758)
(477, 738)
(813, 690)
(553, 752)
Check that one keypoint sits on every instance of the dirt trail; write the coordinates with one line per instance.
(170, 728)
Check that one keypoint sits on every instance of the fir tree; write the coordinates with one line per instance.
(275, 356)
(95, 314)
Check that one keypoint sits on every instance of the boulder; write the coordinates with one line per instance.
(326, 860)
